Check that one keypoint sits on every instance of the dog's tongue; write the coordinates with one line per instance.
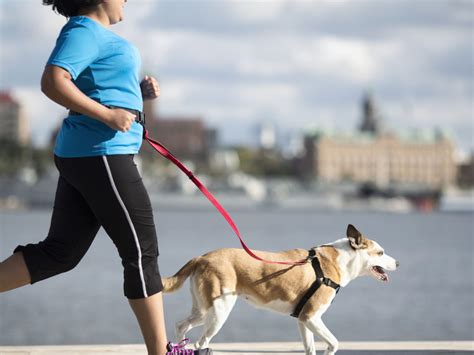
(381, 274)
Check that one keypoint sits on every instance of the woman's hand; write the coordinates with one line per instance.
(120, 120)
(150, 88)
(56, 83)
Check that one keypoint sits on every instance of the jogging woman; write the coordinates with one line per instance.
(95, 74)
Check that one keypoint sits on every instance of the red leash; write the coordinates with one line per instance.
(160, 148)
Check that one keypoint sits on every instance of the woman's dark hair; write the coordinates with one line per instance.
(69, 8)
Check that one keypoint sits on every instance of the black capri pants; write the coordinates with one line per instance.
(97, 191)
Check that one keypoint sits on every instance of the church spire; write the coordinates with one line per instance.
(370, 122)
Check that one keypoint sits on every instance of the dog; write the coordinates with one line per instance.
(219, 277)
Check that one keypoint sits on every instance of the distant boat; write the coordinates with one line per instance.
(457, 201)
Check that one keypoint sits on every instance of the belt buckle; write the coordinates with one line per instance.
(140, 118)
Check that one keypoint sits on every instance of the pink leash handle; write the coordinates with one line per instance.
(160, 148)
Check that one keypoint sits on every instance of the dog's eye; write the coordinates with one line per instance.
(380, 253)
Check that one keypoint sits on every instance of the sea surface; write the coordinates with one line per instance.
(430, 297)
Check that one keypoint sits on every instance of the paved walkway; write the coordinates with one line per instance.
(349, 348)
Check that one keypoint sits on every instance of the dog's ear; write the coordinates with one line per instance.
(356, 239)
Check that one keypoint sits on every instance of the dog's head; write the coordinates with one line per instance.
(374, 260)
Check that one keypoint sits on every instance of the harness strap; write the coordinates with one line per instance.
(320, 280)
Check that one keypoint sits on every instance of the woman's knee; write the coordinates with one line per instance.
(67, 266)
(46, 260)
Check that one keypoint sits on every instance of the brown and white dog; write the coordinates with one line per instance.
(219, 277)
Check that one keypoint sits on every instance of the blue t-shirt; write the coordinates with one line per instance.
(105, 67)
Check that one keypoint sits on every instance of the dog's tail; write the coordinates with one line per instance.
(175, 282)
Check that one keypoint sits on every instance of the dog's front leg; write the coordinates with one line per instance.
(317, 326)
(308, 339)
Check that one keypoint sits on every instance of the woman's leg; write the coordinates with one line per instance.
(150, 316)
(129, 222)
(115, 192)
(72, 230)
(14, 273)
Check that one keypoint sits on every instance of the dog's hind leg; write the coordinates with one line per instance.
(195, 319)
(308, 339)
(216, 317)
(317, 326)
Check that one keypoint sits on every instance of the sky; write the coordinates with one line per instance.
(294, 64)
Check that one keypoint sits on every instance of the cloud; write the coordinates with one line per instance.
(361, 18)
(26, 41)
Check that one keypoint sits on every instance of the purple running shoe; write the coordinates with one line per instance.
(180, 349)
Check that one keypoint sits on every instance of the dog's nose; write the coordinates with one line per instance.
(397, 263)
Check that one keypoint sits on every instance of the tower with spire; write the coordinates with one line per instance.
(370, 121)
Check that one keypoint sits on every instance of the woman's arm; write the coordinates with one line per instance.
(56, 84)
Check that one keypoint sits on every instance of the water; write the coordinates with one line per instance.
(429, 298)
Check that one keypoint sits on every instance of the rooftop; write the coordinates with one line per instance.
(416, 136)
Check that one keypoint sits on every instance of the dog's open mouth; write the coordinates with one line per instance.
(379, 273)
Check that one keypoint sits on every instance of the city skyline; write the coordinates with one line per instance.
(296, 64)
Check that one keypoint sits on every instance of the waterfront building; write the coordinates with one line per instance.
(267, 137)
(465, 176)
(186, 137)
(419, 158)
(15, 126)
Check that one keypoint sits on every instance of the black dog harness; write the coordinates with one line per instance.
(320, 280)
